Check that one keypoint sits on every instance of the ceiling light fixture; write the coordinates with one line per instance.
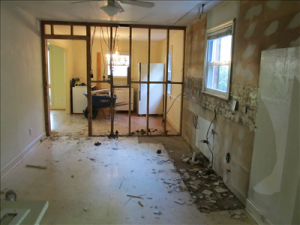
(112, 8)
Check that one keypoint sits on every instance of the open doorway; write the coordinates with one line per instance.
(67, 84)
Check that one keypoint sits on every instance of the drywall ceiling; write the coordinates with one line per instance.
(171, 13)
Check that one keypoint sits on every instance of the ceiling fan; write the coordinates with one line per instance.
(113, 6)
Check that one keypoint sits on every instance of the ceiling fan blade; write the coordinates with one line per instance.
(81, 2)
(119, 6)
(138, 3)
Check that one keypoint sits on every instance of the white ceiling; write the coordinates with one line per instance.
(177, 13)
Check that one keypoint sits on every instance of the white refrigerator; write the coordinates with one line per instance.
(156, 91)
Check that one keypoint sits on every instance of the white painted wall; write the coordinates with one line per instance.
(274, 179)
(21, 85)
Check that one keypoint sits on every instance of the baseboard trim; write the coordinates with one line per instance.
(256, 214)
(13, 163)
(173, 124)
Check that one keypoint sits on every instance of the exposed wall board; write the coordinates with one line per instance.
(246, 95)
(263, 25)
(275, 169)
(21, 82)
(256, 30)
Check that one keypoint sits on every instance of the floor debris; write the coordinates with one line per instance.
(140, 204)
(133, 196)
(158, 212)
(36, 167)
(97, 143)
(179, 201)
(207, 192)
(221, 190)
(121, 184)
(92, 159)
(85, 209)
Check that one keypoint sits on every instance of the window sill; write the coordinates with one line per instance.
(219, 96)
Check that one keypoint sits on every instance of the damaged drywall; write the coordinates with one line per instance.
(260, 25)
(244, 94)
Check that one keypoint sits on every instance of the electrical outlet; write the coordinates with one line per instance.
(30, 131)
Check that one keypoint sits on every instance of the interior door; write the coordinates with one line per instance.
(57, 83)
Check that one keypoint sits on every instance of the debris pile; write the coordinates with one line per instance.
(207, 189)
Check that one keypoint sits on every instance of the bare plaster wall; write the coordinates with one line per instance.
(21, 84)
(260, 25)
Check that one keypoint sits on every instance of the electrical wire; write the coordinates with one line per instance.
(211, 124)
(195, 121)
(190, 142)
(91, 50)
(207, 142)
(173, 103)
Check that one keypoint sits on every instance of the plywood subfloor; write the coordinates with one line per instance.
(77, 123)
(88, 184)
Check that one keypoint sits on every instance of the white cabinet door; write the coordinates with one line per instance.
(79, 100)
(123, 96)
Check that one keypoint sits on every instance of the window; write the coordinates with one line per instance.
(218, 61)
(169, 78)
(120, 65)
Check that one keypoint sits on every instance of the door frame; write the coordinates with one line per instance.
(51, 35)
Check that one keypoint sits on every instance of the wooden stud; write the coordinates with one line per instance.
(99, 70)
(52, 29)
(148, 80)
(89, 87)
(129, 79)
(113, 25)
(111, 83)
(45, 82)
(72, 30)
(166, 88)
(155, 82)
(182, 86)
(66, 37)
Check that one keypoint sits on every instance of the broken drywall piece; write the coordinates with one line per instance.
(207, 192)
(140, 204)
(221, 190)
(179, 201)
(158, 212)
(36, 167)
(185, 176)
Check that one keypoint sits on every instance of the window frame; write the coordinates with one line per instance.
(205, 89)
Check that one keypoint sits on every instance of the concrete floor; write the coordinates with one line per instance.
(86, 184)
(77, 123)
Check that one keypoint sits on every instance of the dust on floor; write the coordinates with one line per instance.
(119, 181)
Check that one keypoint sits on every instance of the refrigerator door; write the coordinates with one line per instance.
(79, 100)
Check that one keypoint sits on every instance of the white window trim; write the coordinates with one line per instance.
(209, 91)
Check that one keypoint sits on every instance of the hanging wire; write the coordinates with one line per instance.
(103, 55)
(173, 103)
